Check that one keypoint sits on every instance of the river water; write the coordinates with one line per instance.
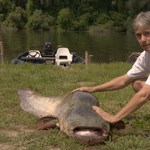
(105, 47)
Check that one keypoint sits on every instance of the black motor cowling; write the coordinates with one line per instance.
(48, 48)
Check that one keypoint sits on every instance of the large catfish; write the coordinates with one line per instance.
(72, 113)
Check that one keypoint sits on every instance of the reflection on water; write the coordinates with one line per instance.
(105, 47)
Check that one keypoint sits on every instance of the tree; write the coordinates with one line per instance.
(40, 21)
(136, 6)
(31, 7)
(16, 19)
(84, 21)
(20, 3)
(5, 7)
(64, 18)
(121, 6)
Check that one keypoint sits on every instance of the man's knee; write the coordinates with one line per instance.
(138, 84)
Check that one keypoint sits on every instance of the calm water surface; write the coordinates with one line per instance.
(105, 47)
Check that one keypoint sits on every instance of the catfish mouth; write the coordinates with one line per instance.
(90, 132)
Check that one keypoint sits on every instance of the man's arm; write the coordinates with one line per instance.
(138, 100)
(115, 84)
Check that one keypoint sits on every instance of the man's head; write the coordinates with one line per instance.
(141, 26)
(142, 20)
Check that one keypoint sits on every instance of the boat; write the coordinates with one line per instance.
(61, 56)
(133, 57)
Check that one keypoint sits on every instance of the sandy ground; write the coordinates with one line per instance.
(13, 133)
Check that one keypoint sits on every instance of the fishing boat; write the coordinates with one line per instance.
(61, 56)
(133, 57)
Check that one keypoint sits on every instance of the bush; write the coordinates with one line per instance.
(31, 6)
(64, 19)
(40, 21)
(128, 24)
(102, 19)
(98, 28)
(47, 22)
(136, 6)
(22, 12)
(109, 25)
(16, 19)
(6, 7)
(1, 17)
(84, 21)
(75, 25)
(118, 20)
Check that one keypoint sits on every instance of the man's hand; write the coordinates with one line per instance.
(109, 118)
(83, 89)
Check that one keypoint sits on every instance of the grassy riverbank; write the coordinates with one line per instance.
(17, 128)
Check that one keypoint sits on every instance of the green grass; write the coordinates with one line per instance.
(53, 80)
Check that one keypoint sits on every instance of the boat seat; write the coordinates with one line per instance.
(34, 53)
(63, 57)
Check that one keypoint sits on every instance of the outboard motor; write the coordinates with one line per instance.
(48, 48)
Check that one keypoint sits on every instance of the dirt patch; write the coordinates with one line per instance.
(9, 133)
(5, 147)
(18, 131)
(53, 148)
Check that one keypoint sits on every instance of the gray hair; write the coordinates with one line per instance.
(142, 20)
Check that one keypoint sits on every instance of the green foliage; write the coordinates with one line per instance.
(136, 6)
(40, 21)
(64, 19)
(98, 28)
(5, 7)
(133, 7)
(102, 19)
(128, 24)
(21, 3)
(102, 23)
(74, 15)
(31, 7)
(22, 12)
(118, 20)
(109, 25)
(121, 6)
(1, 17)
(84, 21)
(143, 123)
(48, 22)
(16, 19)
(114, 5)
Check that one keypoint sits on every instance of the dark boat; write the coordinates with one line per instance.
(133, 57)
(46, 56)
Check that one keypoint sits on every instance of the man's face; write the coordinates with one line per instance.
(143, 37)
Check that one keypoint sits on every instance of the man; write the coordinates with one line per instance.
(136, 75)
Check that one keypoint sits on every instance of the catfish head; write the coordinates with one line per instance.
(81, 122)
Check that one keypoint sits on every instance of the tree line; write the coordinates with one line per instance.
(75, 15)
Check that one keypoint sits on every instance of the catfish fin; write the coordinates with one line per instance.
(38, 104)
(46, 122)
(119, 125)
